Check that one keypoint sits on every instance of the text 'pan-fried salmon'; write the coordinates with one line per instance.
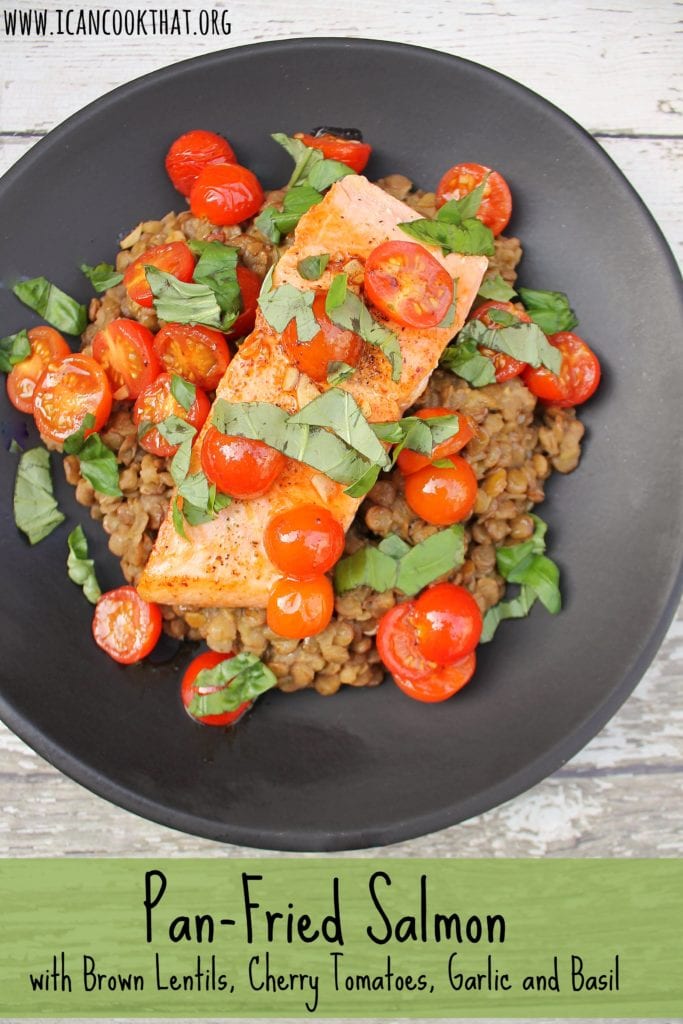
(223, 563)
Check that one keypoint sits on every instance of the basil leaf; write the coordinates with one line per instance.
(217, 269)
(195, 489)
(466, 361)
(242, 679)
(180, 303)
(550, 310)
(497, 289)
(53, 305)
(338, 371)
(417, 434)
(337, 293)
(102, 276)
(515, 608)
(455, 211)
(80, 568)
(360, 487)
(311, 268)
(502, 317)
(543, 578)
(326, 172)
(183, 391)
(13, 349)
(367, 567)
(525, 342)
(175, 430)
(286, 303)
(394, 545)
(74, 442)
(471, 237)
(178, 521)
(431, 558)
(196, 515)
(304, 157)
(36, 512)
(99, 466)
(180, 463)
(449, 317)
(337, 410)
(274, 223)
(346, 309)
(217, 501)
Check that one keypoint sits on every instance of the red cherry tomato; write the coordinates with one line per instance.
(191, 153)
(156, 403)
(250, 287)
(304, 542)
(126, 627)
(442, 496)
(300, 608)
(188, 690)
(226, 194)
(496, 205)
(47, 347)
(173, 258)
(448, 623)
(196, 353)
(351, 152)
(407, 284)
(66, 392)
(239, 466)
(440, 684)
(126, 350)
(330, 344)
(409, 462)
(578, 378)
(506, 366)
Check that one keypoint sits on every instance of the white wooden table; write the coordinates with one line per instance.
(618, 72)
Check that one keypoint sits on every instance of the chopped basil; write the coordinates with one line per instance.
(97, 462)
(337, 410)
(195, 490)
(274, 223)
(550, 310)
(217, 269)
(502, 317)
(417, 434)
(180, 463)
(465, 360)
(36, 512)
(282, 305)
(326, 172)
(183, 391)
(337, 292)
(80, 568)
(102, 276)
(180, 303)
(178, 521)
(525, 342)
(311, 268)
(449, 318)
(395, 564)
(13, 349)
(241, 679)
(514, 608)
(360, 487)
(455, 211)
(53, 305)
(347, 310)
(471, 237)
(338, 371)
(497, 289)
(310, 167)
(174, 429)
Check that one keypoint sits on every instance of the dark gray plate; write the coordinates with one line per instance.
(365, 767)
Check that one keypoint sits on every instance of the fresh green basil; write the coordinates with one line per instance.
(175, 429)
(525, 342)
(311, 268)
(514, 608)
(367, 567)
(282, 305)
(13, 349)
(53, 305)
(502, 317)
(393, 564)
(80, 568)
(36, 512)
(337, 410)
(98, 463)
(274, 223)
(417, 434)
(550, 310)
(310, 167)
(326, 172)
(216, 268)
(466, 361)
(180, 463)
(338, 372)
(347, 310)
(241, 679)
(496, 288)
(181, 303)
(471, 238)
(455, 211)
(102, 276)
(184, 392)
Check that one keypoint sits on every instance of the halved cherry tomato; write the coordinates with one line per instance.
(441, 495)
(351, 152)
(66, 392)
(300, 608)
(578, 378)
(47, 347)
(409, 462)
(126, 627)
(448, 623)
(239, 466)
(440, 684)
(304, 541)
(188, 690)
(126, 350)
(407, 284)
(496, 204)
(250, 286)
(226, 194)
(197, 353)
(191, 153)
(174, 258)
(330, 344)
(506, 366)
(156, 403)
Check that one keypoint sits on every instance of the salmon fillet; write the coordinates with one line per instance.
(223, 563)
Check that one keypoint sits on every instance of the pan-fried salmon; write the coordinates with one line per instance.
(223, 563)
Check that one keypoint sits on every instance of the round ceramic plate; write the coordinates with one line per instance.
(365, 767)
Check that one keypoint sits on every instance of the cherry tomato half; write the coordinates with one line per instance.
(188, 690)
(441, 495)
(448, 623)
(191, 153)
(506, 366)
(578, 378)
(330, 344)
(196, 353)
(226, 194)
(407, 284)
(156, 403)
(304, 542)
(440, 684)
(351, 152)
(174, 258)
(300, 608)
(47, 347)
(239, 466)
(126, 627)
(496, 204)
(250, 287)
(66, 392)
(126, 350)
(409, 462)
